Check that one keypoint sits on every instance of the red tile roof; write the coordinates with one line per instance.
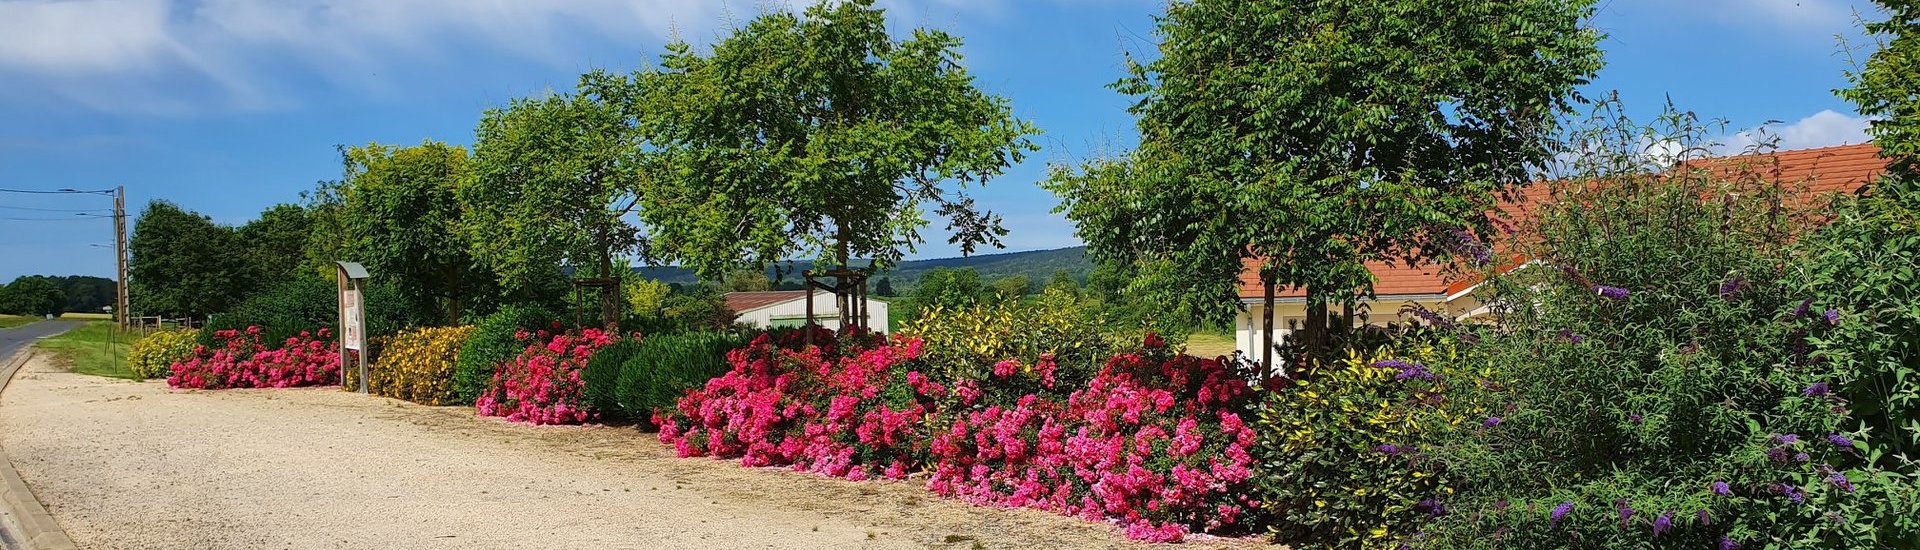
(745, 301)
(1824, 170)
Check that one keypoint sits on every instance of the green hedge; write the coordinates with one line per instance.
(308, 304)
(631, 379)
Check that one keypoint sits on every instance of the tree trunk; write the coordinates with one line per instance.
(1314, 334)
(842, 253)
(609, 308)
(1266, 333)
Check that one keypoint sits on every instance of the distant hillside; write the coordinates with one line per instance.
(1037, 265)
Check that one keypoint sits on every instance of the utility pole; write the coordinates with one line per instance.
(120, 254)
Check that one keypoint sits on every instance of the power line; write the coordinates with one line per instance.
(56, 209)
(56, 191)
(75, 218)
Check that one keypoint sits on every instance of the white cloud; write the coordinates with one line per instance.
(1822, 129)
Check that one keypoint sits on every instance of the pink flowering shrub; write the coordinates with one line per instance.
(542, 385)
(243, 361)
(1155, 441)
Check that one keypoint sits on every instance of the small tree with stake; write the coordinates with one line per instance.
(1314, 136)
(554, 179)
(817, 134)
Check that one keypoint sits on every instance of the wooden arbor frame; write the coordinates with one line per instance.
(849, 290)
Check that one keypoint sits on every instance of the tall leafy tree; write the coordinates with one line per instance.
(182, 264)
(1314, 136)
(32, 295)
(816, 134)
(275, 244)
(395, 212)
(555, 179)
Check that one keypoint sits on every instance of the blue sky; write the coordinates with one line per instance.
(229, 106)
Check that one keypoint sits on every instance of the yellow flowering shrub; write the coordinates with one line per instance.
(1343, 445)
(965, 343)
(154, 355)
(417, 365)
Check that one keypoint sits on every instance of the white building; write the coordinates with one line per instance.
(788, 308)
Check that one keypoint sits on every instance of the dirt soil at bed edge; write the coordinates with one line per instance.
(124, 464)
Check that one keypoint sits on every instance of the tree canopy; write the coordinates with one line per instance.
(1886, 89)
(814, 134)
(32, 295)
(395, 212)
(182, 264)
(1315, 136)
(554, 179)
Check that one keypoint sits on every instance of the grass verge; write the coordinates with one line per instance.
(1210, 344)
(10, 321)
(96, 348)
(87, 316)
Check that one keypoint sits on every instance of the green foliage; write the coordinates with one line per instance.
(308, 304)
(633, 378)
(152, 355)
(272, 244)
(493, 342)
(815, 135)
(183, 265)
(1316, 136)
(1885, 90)
(395, 212)
(1011, 287)
(964, 343)
(96, 348)
(32, 295)
(644, 295)
(1344, 444)
(948, 289)
(554, 178)
(699, 309)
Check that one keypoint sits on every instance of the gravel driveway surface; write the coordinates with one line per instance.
(134, 465)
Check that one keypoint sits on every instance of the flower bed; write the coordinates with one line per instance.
(243, 361)
(542, 385)
(1155, 442)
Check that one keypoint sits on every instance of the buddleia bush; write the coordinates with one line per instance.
(1657, 371)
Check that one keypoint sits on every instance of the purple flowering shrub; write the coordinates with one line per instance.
(1664, 384)
(1345, 443)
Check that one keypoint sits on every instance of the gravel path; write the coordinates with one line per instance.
(133, 465)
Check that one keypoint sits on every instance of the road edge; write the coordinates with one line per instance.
(37, 529)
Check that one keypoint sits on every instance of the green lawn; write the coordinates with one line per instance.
(1210, 344)
(93, 316)
(95, 348)
(10, 321)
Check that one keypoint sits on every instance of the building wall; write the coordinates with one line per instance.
(794, 313)
(1247, 325)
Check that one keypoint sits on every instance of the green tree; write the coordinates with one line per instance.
(818, 135)
(744, 280)
(32, 295)
(182, 264)
(275, 244)
(554, 180)
(1887, 90)
(1012, 287)
(948, 288)
(883, 288)
(1063, 281)
(395, 212)
(1315, 136)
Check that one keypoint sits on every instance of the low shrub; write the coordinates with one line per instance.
(1345, 446)
(417, 365)
(494, 341)
(153, 355)
(968, 343)
(304, 305)
(543, 384)
(1154, 441)
(634, 378)
(243, 361)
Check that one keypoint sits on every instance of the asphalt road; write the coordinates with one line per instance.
(18, 338)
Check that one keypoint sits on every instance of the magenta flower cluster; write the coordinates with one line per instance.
(542, 385)
(243, 361)
(1155, 442)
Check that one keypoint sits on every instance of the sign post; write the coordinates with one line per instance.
(353, 333)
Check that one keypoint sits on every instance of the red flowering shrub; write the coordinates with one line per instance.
(542, 385)
(243, 361)
(1154, 442)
